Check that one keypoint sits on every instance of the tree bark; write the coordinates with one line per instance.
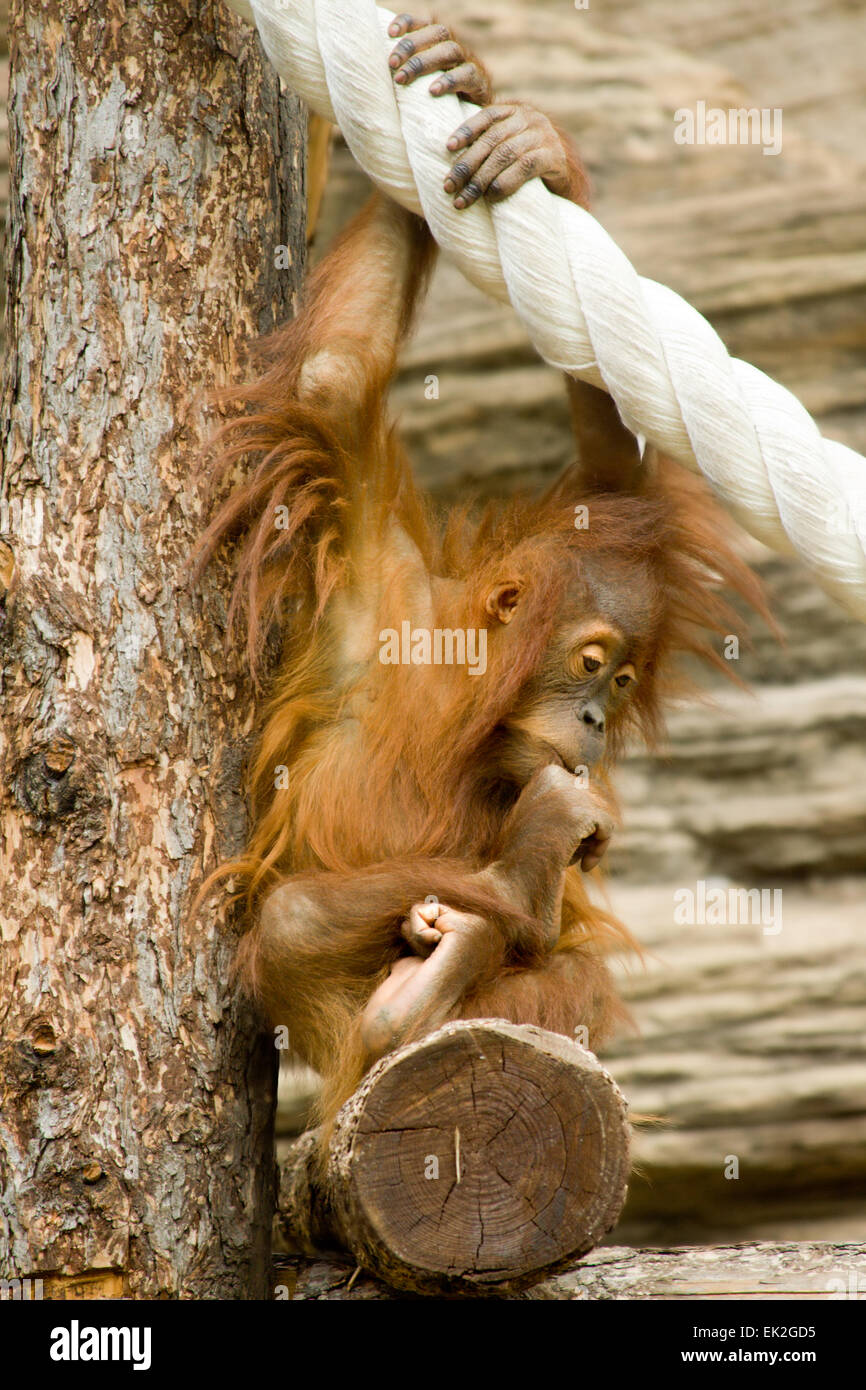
(155, 170)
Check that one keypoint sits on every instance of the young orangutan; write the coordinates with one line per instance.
(424, 861)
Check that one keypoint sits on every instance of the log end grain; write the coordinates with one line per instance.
(479, 1159)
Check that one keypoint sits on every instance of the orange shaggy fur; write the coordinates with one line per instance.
(389, 797)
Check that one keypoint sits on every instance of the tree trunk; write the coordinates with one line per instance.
(154, 172)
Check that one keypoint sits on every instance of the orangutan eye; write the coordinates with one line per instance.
(626, 675)
(589, 659)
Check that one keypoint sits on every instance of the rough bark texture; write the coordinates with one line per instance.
(154, 170)
(473, 1161)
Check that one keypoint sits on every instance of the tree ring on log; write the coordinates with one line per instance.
(479, 1159)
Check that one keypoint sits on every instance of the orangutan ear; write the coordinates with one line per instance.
(501, 602)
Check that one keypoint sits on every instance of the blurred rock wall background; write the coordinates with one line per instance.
(751, 1044)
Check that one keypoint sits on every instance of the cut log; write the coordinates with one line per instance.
(477, 1160)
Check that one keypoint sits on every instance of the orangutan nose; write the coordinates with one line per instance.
(592, 715)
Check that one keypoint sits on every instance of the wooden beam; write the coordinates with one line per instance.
(790, 1270)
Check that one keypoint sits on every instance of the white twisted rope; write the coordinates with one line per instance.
(586, 309)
